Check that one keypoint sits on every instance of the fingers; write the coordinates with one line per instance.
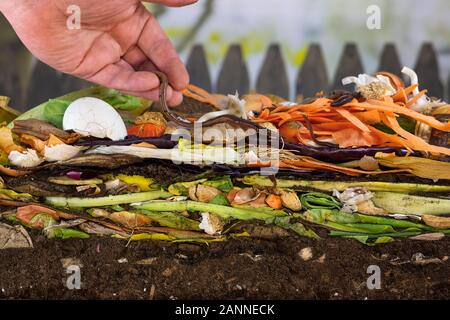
(174, 98)
(135, 57)
(173, 3)
(157, 47)
(123, 77)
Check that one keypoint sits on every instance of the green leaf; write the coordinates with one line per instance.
(113, 97)
(151, 236)
(317, 200)
(116, 208)
(405, 122)
(361, 228)
(54, 111)
(172, 220)
(220, 199)
(371, 228)
(121, 101)
(25, 197)
(298, 228)
(398, 234)
(67, 233)
(370, 242)
(182, 188)
(225, 212)
(322, 215)
(222, 183)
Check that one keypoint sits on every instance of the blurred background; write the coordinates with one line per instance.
(255, 24)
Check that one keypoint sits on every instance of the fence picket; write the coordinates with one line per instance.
(234, 73)
(45, 84)
(70, 83)
(390, 61)
(313, 74)
(349, 65)
(448, 88)
(198, 69)
(427, 69)
(273, 77)
(13, 57)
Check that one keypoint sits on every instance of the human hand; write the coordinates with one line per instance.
(118, 45)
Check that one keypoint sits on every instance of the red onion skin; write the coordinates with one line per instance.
(75, 175)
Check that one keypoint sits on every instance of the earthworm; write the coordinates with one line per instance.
(313, 135)
(185, 124)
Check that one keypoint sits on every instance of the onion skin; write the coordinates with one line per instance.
(396, 81)
(75, 175)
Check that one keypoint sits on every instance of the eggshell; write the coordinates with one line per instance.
(94, 117)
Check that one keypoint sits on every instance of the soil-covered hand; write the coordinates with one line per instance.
(118, 45)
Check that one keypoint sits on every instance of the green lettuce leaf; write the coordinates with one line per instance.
(54, 111)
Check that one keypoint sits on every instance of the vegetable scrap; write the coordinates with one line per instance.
(363, 164)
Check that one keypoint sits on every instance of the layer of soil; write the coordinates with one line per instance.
(238, 269)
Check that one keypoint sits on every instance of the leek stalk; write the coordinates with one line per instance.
(106, 201)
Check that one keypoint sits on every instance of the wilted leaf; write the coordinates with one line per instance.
(67, 234)
(172, 220)
(129, 219)
(12, 237)
(434, 236)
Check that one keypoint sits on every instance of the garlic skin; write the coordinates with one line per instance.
(352, 197)
(211, 224)
(203, 193)
(290, 200)
(26, 159)
(365, 80)
(94, 117)
(235, 106)
(61, 152)
(420, 105)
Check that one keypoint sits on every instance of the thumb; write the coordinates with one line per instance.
(173, 3)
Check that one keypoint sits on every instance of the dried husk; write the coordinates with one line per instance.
(436, 222)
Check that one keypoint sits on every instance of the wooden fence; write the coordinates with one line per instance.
(272, 77)
(313, 75)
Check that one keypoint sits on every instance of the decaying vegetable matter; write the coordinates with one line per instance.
(370, 164)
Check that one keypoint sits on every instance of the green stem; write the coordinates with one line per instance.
(106, 201)
(224, 212)
(342, 185)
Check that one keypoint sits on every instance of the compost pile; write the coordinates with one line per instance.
(369, 164)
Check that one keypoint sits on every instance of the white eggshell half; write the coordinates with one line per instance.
(94, 117)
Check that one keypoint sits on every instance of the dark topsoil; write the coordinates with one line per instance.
(240, 268)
